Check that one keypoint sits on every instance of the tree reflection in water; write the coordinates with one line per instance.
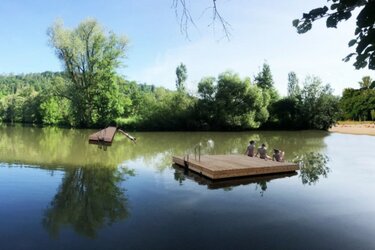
(312, 167)
(88, 199)
(262, 185)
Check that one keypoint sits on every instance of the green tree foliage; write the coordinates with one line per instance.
(231, 103)
(90, 57)
(315, 107)
(356, 104)
(51, 111)
(181, 73)
(30, 98)
(264, 78)
(364, 34)
(366, 82)
(293, 87)
(206, 109)
(319, 107)
(163, 109)
(285, 114)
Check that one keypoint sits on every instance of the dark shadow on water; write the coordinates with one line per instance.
(88, 199)
(181, 174)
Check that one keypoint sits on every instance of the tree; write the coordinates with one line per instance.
(357, 104)
(293, 87)
(364, 34)
(366, 82)
(284, 114)
(231, 103)
(318, 106)
(90, 57)
(264, 78)
(314, 107)
(181, 74)
(206, 88)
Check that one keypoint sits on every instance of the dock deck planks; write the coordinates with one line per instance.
(228, 166)
(104, 136)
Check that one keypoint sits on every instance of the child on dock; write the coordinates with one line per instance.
(278, 155)
(262, 152)
(250, 149)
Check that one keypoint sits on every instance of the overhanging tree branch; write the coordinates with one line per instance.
(341, 10)
(185, 18)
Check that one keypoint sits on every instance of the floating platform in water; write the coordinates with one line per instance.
(184, 173)
(229, 166)
(104, 136)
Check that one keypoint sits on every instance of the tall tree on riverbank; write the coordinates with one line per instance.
(181, 73)
(314, 107)
(231, 103)
(357, 104)
(366, 82)
(293, 87)
(90, 56)
(264, 78)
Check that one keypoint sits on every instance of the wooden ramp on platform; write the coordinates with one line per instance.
(104, 136)
(229, 166)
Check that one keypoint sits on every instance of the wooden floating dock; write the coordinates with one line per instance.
(229, 182)
(104, 136)
(229, 166)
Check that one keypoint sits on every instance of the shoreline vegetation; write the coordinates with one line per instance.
(89, 93)
(355, 128)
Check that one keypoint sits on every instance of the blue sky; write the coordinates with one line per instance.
(261, 31)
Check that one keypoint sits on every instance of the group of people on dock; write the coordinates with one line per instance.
(278, 155)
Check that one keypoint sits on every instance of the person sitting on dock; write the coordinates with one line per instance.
(262, 152)
(278, 155)
(250, 149)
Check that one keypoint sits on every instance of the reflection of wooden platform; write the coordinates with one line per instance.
(227, 166)
(228, 182)
(104, 136)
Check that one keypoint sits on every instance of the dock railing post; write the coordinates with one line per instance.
(199, 159)
(197, 147)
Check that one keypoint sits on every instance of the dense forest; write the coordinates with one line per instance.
(90, 93)
(223, 103)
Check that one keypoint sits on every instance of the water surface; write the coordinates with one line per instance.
(59, 192)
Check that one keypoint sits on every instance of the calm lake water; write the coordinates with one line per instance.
(59, 192)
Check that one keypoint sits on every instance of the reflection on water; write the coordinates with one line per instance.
(313, 165)
(69, 148)
(181, 174)
(87, 199)
(47, 202)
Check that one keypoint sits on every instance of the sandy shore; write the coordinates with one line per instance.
(358, 129)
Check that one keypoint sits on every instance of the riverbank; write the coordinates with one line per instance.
(354, 128)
